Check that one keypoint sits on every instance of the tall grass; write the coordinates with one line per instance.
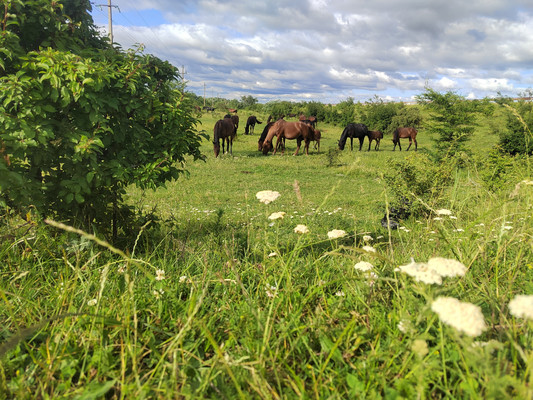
(219, 301)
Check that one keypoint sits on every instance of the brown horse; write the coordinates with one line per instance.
(224, 129)
(235, 119)
(316, 137)
(377, 136)
(288, 130)
(401, 133)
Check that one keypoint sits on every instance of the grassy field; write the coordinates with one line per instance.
(220, 300)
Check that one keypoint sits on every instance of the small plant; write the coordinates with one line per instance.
(333, 156)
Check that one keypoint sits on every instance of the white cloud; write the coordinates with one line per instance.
(335, 49)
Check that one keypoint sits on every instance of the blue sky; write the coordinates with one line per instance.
(329, 50)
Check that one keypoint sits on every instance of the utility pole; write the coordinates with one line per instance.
(110, 15)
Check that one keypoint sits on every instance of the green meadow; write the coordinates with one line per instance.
(215, 297)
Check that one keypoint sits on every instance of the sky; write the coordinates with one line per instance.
(330, 50)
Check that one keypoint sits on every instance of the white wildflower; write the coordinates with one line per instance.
(92, 302)
(420, 347)
(267, 196)
(367, 238)
(372, 277)
(363, 266)
(522, 306)
(159, 275)
(276, 215)
(446, 267)
(369, 249)
(336, 233)
(404, 326)
(421, 273)
(301, 229)
(443, 211)
(340, 293)
(183, 279)
(271, 291)
(459, 230)
(464, 317)
(437, 219)
(403, 228)
(453, 217)
(273, 254)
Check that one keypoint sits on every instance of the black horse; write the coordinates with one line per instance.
(250, 124)
(352, 131)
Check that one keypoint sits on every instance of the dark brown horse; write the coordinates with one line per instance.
(224, 130)
(377, 136)
(234, 119)
(402, 133)
(250, 124)
(288, 130)
(352, 131)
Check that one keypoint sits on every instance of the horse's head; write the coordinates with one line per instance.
(267, 146)
(216, 149)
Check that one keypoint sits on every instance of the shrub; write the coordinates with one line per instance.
(417, 181)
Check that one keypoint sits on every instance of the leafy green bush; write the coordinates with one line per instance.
(517, 138)
(417, 181)
(78, 130)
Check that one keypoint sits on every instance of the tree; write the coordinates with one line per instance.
(516, 137)
(378, 115)
(452, 120)
(247, 102)
(78, 130)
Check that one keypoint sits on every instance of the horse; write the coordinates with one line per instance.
(234, 119)
(401, 133)
(316, 134)
(351, 131)
(233, 110)
(316, 137)
(288, 130)
(377, 136)
(250, 124)
(224, 129)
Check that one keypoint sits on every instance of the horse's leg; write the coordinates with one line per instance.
(369, 143)
(416, 145)
(377, 145)
(410, 143)
(298, 144)
(351, 143)
(361, 140)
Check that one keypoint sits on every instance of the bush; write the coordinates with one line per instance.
(417, 181)
(77, 130)
(517, 137)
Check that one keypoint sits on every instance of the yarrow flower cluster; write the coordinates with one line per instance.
(369, 249)
(271, 291)
(443, 211)
(464, 317)
(159, 275)
(301, 229)
(92, 302)
(267, 196)
(336, 234)
(522, 306)
(363, 266)
(277, 215)
(434, 270)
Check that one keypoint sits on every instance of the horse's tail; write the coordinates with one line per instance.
(343, 138)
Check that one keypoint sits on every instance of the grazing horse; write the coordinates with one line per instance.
(377, 136)
(224, 129)
(351, 131)
(401, 133)
(288, 130)
(250, 124)
(232, 110)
